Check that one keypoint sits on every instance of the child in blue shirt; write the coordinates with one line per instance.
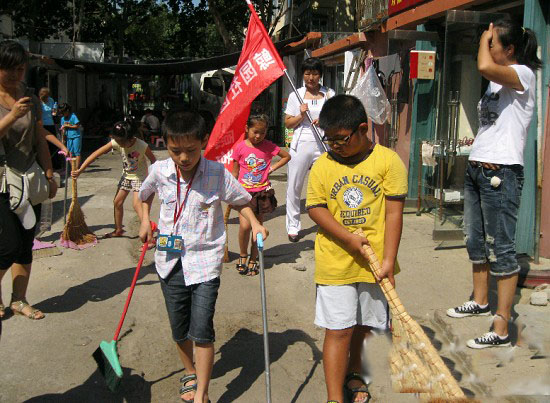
(70, 127)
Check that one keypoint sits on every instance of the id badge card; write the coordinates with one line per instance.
(170, 243)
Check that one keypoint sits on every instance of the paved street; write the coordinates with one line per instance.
(83, 293)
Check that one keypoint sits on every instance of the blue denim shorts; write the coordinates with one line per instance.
(190, 308)
(490, 216)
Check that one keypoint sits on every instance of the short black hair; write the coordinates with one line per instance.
(181, 122)
(65, 108)
(342, 112)
(312, 63)
(12, 54)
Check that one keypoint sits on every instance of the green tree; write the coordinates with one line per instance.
(140, 29)
(37, 19)
(112, 22)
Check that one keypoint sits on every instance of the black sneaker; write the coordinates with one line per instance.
(490, 339)
(469, 308)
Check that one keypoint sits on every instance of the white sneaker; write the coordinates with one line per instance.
(469, 308)
(490, 339)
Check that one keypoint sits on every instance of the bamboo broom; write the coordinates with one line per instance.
(415, 363)
(76, 232)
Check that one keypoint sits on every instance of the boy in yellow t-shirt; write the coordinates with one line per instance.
(356, 185)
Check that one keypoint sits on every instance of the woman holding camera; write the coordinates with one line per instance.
(23, 142)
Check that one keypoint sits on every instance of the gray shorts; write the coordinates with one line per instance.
(343, 306)
(190, 308)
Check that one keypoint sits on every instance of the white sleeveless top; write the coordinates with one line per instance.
(303, 132)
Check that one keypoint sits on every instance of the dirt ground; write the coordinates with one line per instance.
(83, 293)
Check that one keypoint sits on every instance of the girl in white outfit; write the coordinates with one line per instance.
(305, 147)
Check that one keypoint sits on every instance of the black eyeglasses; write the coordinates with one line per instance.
(340, 142)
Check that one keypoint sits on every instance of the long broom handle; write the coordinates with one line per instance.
(73, 168)
(260, 243)
(134, 281)
(388, 289)
(65, 190)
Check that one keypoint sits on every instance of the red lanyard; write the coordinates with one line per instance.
(178, 210)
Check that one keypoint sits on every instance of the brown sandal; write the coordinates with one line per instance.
(18, 306)
(241, 266)
(252, 269)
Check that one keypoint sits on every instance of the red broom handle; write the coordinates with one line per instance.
(134, 281)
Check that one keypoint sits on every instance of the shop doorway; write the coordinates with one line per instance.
(458, 94)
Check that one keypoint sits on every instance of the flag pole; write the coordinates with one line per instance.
(276, 54)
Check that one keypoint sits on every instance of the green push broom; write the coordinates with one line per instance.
(106, 354)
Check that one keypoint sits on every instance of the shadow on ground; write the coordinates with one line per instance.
(94, 290)
(283, 253)
(55, 236)
(279, 211)
(288, 252)
(245, 351)
(133, 388)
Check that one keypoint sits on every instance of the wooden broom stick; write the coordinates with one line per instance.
(413, 329)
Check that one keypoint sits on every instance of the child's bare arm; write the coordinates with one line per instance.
(51, 138)
(392, 237)
(351, 242)
(145, 232)
(285, 157)
(149, 154)
(100, 151)
(247, 213)
(235, 170)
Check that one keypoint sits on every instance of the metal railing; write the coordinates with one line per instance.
(369, 11)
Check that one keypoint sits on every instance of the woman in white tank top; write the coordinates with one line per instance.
(305, 147)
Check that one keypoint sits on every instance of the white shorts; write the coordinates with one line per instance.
(343, 306)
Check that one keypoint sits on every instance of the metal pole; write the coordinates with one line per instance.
(315, 130)
(290, 4)
(419, 199)
(260, 243)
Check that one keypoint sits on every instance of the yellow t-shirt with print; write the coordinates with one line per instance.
(355, 195)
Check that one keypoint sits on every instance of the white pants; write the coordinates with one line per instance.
(305, 154)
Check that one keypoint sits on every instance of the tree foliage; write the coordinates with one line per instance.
(140, 29)
(37, 19)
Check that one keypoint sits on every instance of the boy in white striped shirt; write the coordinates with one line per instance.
(191, 241)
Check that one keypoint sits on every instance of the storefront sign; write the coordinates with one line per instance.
(396, 6)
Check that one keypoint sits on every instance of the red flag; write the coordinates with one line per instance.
(259, 65)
